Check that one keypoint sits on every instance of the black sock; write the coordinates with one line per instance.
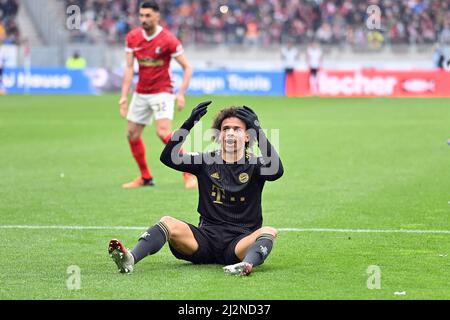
(260, 250)
(151, 241)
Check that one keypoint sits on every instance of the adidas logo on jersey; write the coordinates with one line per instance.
(215, 175)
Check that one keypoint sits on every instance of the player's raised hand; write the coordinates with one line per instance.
(197, 113)
(123, 102)
(250, 110)
(249, 117)
(179, 98)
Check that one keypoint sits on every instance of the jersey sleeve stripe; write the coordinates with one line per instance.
(176, 54)
(128, 50)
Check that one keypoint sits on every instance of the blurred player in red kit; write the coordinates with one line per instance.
(153, 47)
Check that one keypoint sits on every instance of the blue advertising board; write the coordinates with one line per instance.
(47, 81)
(258, 83)
(97, 80)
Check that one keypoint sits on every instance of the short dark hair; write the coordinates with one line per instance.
(223, 114)
(149, 5)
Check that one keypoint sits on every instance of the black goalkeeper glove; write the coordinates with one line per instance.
(197, 113)
(249, 117)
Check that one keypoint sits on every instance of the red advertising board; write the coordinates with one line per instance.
(371, 83)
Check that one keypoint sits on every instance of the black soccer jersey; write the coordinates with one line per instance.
(229, 193)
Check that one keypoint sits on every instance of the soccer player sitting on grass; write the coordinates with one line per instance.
(231, 181)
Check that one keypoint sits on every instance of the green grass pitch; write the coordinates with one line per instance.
(376, 164)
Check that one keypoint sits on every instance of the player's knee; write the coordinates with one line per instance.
(167, 220)
(163, 132)
(172, 224)
(269, 230)
(133, 135)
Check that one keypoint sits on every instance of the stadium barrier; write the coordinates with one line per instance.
(371, 83)
(228, 82)
(331, 83)
(97, 80)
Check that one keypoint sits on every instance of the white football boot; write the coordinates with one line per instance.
(239, 269)
(121, 256)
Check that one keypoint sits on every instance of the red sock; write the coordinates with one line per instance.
(138, 151)
(165, 141)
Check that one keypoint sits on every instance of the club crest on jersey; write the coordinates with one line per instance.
(243, 177)
(158, 50)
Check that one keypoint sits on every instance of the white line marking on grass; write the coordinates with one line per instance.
(365, 230)
(70, 227)
(279, 229)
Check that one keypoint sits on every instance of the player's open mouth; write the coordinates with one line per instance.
(230, 142)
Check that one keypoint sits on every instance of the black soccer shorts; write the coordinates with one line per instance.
(216, 244)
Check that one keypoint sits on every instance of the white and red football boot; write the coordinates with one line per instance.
(121, 256)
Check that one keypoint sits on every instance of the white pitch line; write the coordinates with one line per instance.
(365, 230)
(71, 227)
(279, 229)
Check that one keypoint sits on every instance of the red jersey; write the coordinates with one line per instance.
(153, 55)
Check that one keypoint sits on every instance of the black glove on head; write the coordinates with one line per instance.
(249, 117)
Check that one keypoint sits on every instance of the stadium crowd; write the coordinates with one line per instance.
(267, 22)
(9, 31)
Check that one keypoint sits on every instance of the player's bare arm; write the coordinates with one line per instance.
(187, 74)
(126, 84)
